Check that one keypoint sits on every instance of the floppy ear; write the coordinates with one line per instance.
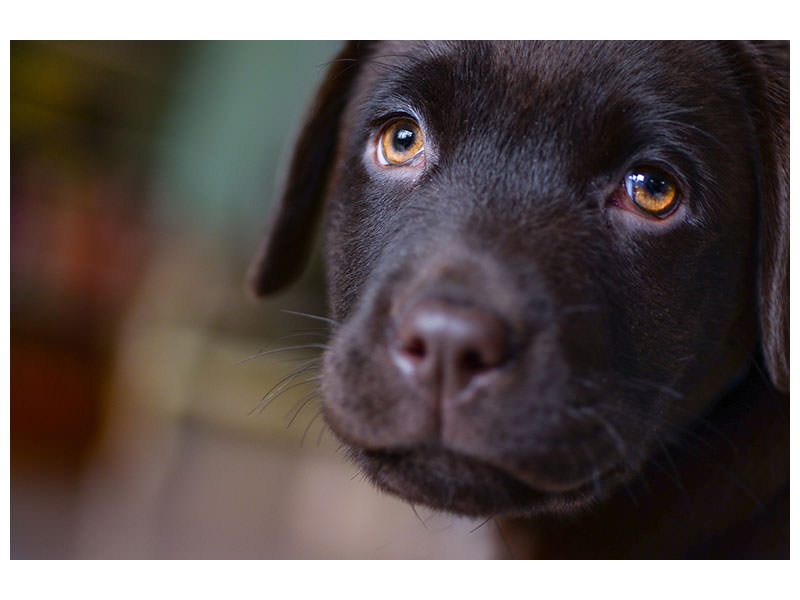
(770, 61)
(287, 243)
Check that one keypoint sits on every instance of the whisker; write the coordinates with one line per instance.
(621, 446)
(310, 316)
(284, 349)
(297, 402)
(416, 514)
(304, 402)
(304, 382)
(280, 387)
(353, 63)
(322, 431)
(597, 474)
(311, 422)
(328, 63)
(665, 389)
(674, 476)
(474, 529)
(310, 332)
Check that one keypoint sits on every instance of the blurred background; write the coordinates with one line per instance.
(141, 175)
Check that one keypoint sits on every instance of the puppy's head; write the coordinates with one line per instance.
(544, 259)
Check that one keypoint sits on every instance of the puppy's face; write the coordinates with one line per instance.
(542, 260)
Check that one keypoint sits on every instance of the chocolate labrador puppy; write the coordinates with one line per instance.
(559, 277)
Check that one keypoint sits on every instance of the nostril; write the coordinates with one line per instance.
(415, 348)
(472, 362)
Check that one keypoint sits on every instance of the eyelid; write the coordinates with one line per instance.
(398, 111)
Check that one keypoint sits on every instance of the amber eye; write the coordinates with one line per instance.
(652, 191)
(400, 142)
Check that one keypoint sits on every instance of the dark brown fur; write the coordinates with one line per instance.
(640, 408)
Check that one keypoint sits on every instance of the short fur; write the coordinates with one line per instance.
(642, 410)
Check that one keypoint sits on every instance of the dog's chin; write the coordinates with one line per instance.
(445, 480)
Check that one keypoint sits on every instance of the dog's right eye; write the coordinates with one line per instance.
(400, 143)
(648, 192)
(652, 191)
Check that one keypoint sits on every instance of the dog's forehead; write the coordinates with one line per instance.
(532, 71)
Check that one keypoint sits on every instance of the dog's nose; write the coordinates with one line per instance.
(444, 346)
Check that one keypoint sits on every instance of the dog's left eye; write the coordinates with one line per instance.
(650, 191)
(399, 143)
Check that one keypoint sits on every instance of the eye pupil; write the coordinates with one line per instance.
(403, 139)
(657, 186)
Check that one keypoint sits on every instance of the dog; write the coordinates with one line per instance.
(559, 278)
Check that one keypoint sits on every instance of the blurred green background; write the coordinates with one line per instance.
(141, 176)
